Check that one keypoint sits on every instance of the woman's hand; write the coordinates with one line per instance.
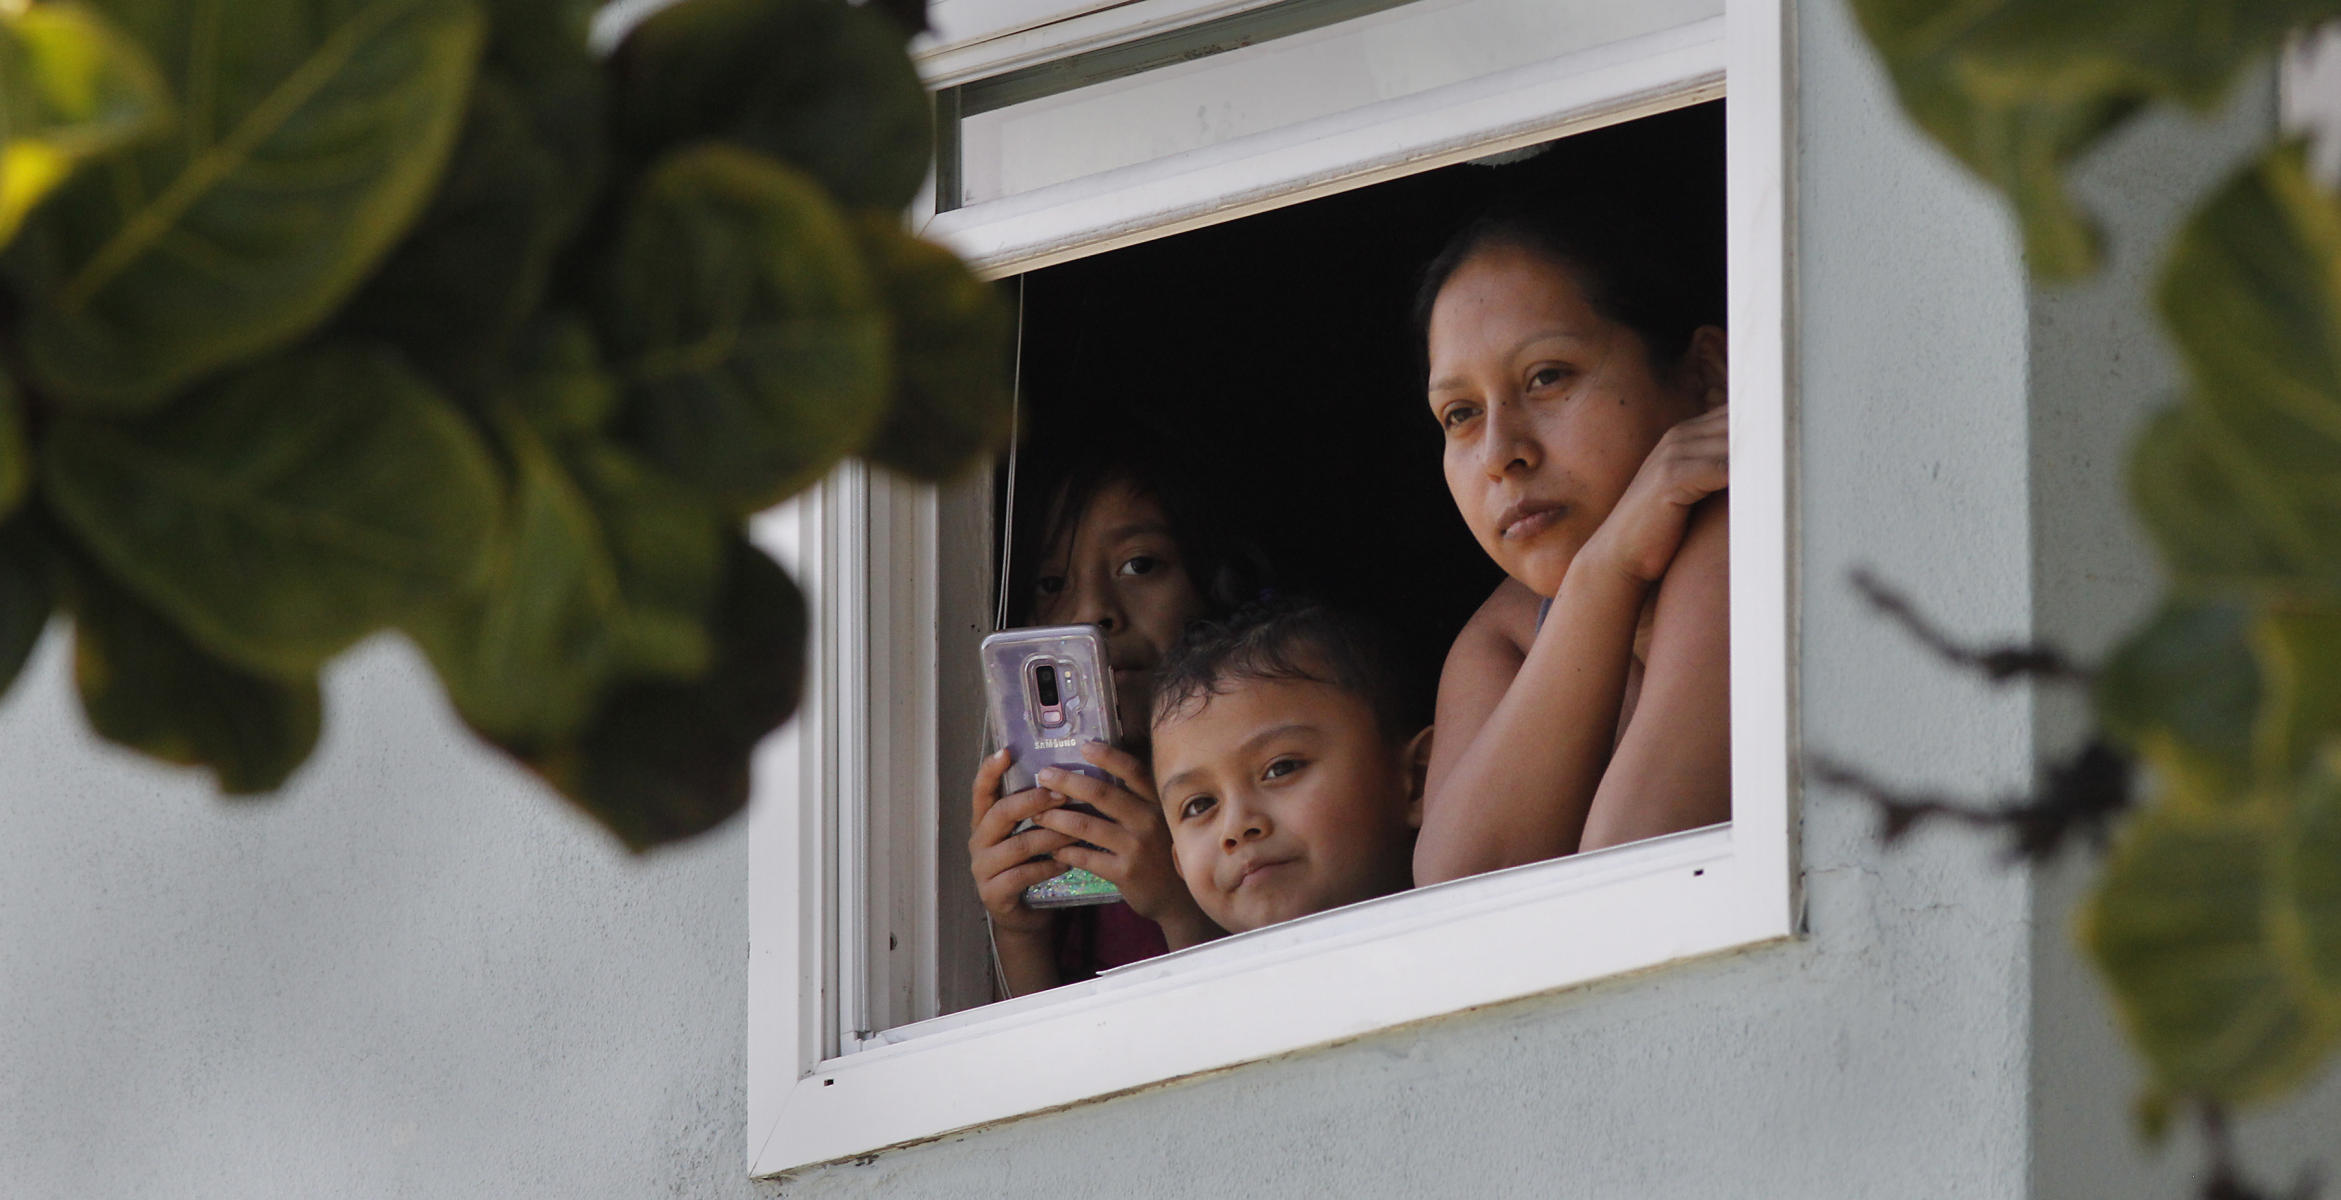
(1133, 843)
(1641, 534)
(1005, 862)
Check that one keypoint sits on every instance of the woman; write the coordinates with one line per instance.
(1578, 378)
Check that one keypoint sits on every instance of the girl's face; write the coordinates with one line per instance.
(1547, 406)
(1119, 569)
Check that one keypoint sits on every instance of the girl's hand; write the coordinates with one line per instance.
(1001, 859)
(1690, 463)
(1133, 842)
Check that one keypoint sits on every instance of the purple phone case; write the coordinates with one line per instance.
(1086, 691)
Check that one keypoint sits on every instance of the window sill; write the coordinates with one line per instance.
(1322, 979)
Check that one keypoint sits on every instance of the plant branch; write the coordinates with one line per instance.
(1999, 664)
(2223, 1177)
(2079, 796)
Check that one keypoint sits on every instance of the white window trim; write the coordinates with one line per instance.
(1506, 110)
(868, 722)
(973, 39)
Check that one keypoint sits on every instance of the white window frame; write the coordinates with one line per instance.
(970, 39)
(889, 580)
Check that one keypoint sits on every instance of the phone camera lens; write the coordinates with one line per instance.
(1046, 678)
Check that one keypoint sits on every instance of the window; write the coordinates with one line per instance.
(858, 934)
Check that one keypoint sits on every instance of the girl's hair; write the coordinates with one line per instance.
(1663, 283)
(1227, 570)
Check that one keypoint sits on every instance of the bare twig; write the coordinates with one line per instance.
(2079, 796)
(1998, 664)
(2223, 1177)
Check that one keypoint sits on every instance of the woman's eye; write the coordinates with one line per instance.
(1544, 377)
(1281, 768)
(1454, 417)
(1195, 807)
(1049, 585)
(1143, 564)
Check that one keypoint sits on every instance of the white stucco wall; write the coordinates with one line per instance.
(411, 974)
(415, 975)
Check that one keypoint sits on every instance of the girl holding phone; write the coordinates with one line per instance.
(1120, 549)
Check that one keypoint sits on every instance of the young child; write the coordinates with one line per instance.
(1289, 771)
(1121, 548)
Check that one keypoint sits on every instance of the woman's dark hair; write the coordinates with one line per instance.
(1227, 570)
(1289, 638)
(1661, 278)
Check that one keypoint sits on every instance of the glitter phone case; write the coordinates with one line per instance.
(1049, 691)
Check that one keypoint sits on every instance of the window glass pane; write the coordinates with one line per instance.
(1244, 76)
(952, 21)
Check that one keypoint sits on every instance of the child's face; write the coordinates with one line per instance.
(1548, 408)
(1284, 799)
(1120, 570)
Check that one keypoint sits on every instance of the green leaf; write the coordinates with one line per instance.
(2172, 49)
(2240, 488)
(543, 48)
(71, 88)
(2300, 715)
(823, 85)
(2222, 528)
(750, 340)
(2218, 927)
(286, 511)
(454, 291)
(953, 349)
(524, 657)
(559, 383)
(2152, 1115)
(312, 135)
(146, 686)
(663, 761)
(2182, 691)
(911, 15)
(586, 587)
(2017, 139)
(24, 598)
(2313, 887)
(15, 459)
(667, 547)
(2252, 296)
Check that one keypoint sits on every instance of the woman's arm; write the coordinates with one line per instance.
(1515, 782)
(1522, 741)
(1672, 770)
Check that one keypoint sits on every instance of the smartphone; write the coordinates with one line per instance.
(1049, 690)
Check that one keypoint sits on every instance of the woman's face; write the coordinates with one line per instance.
(1547, 406)
(1119, 569)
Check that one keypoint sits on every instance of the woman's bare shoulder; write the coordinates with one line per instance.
(1480, 668)
(1506, 620)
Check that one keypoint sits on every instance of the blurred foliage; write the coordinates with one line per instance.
(2217, 919)
(320, 318)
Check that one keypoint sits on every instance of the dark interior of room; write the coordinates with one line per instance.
(1274, 353)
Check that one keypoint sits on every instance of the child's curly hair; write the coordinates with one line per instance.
(1287, 638)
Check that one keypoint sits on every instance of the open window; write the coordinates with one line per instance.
(1118, 166)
